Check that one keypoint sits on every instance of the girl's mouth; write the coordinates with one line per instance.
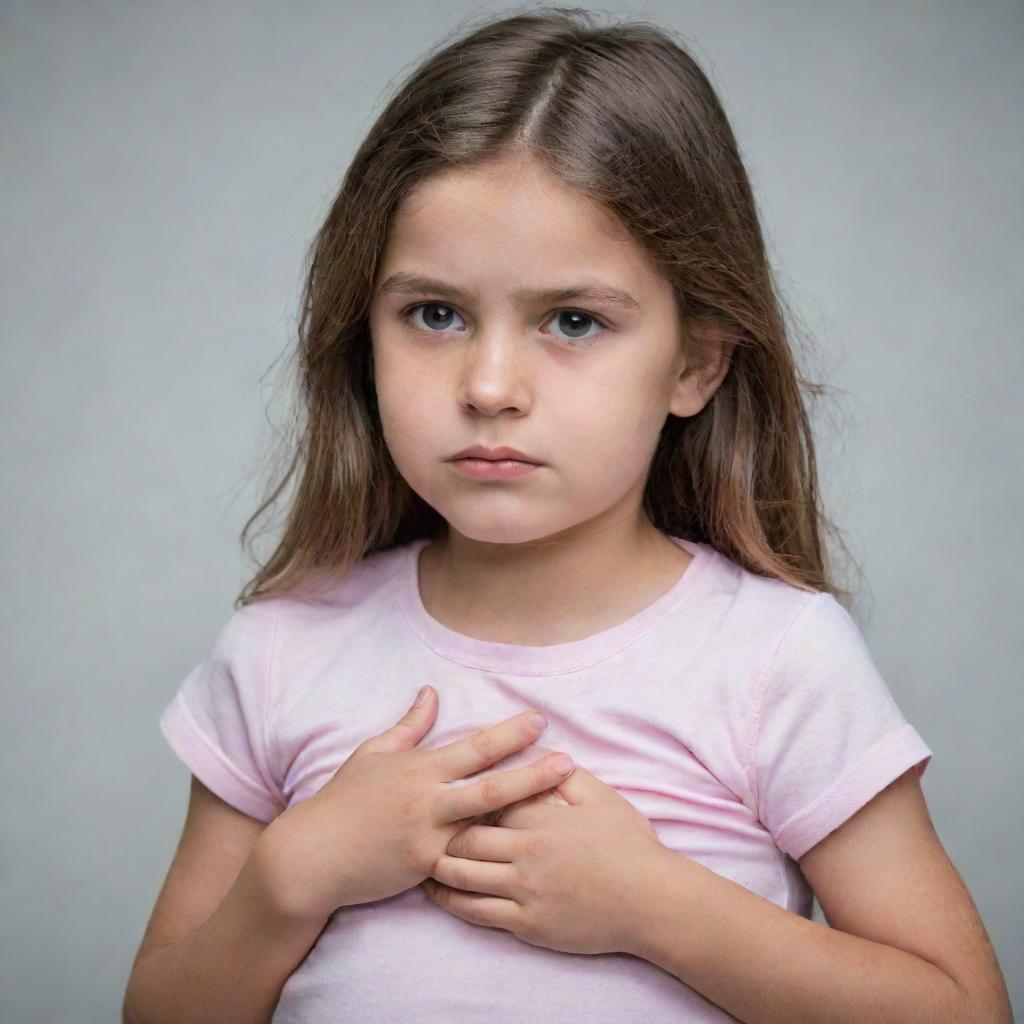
(499, 469)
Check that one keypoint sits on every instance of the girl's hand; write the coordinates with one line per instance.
(379, 824)
(559, 871)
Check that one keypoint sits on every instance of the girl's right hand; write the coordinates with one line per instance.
(379, 825)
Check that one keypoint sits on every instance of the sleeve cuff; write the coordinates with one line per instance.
(208, 764)
(881, 764)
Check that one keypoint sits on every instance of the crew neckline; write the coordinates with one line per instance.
(549, 659)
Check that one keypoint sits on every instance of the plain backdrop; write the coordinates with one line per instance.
(164, 168)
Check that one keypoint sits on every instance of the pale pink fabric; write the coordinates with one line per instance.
(743, 716)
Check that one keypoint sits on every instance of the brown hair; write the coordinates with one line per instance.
(623, 114)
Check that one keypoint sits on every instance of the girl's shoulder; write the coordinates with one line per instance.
(332, 589)
(759, 606)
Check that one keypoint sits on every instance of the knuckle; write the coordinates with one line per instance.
(485, 744)
(409, 813)
(522, 883)
(535, 847)
(424, 856)
(526, 927)
(454, 806)
(491, 790)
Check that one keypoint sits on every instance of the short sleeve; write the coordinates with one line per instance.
(216, 721)
(828, 733)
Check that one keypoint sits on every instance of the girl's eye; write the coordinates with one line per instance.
(577, 320)
(571, 319)
(431, 321)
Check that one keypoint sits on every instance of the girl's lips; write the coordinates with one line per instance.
(500, 469)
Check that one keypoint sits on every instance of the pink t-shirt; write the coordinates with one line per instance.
(743, 716)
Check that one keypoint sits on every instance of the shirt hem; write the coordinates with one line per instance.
(887, 759)
(191, 745)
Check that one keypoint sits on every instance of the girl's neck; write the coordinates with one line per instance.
(547, 593)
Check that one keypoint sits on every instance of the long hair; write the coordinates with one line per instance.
(622, 113)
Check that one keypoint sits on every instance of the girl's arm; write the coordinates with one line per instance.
(911, 949)
(231, 969)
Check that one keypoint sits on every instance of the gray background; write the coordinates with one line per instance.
(164, 168)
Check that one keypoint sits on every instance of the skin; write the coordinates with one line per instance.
(568, 550)
(579, 869)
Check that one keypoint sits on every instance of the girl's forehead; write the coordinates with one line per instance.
(513, 191)
(456, 229)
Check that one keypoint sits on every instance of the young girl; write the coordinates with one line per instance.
(548, 244)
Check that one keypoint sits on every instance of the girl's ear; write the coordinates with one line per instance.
(705, 361)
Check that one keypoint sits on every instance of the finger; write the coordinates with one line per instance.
(485, 747)
(411, 727)
(486, 877)
(488, 911)
(485, 842)
(502, 788)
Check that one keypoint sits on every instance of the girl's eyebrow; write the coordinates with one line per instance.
(592, 291)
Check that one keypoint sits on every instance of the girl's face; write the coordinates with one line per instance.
(582, 383)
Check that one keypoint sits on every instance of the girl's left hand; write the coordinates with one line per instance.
(564, 869)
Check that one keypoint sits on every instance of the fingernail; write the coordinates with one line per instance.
(421, 697)
(538, 721)
(563, 765)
